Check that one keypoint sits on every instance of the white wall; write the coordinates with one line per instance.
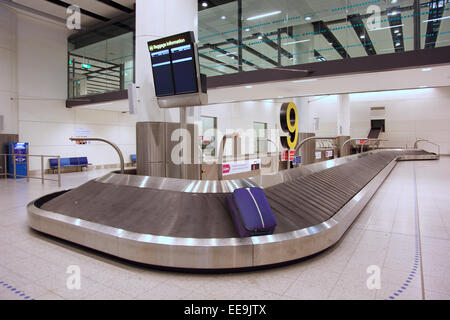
(33, 60)
(410, 114)
(8, 72)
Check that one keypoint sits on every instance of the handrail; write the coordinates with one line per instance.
(425, 140)
(312, 138)
(122, 161)
(355, 139)
(42, 178)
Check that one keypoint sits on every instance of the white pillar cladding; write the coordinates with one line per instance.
(343, 119)
(156, 19)
(305, 115)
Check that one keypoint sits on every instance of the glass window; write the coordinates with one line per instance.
(101, 60)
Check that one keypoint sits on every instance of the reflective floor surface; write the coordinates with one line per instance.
(402, 239)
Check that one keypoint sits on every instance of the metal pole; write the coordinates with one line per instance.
(59, 171)
(183, 127)
(416, 18)
(239, 16)
(42, 169)
(6, 166)
(28, 168)
(14, 160)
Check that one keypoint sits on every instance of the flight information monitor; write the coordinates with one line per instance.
(162, 72)
(175, 70)
(184, 70)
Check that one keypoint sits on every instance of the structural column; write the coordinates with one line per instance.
(343, 122)
(306, 130)
(156, 19)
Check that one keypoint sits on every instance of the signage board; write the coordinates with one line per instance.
(174, 65)
(240, 166)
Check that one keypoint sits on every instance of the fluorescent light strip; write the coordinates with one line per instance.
(399, 25)
(182, 60)
(431, 20)
(264, 15)
(161, 64)
(288, 43)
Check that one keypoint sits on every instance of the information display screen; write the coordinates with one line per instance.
(184, 70)
(174, 65)
(162, 73)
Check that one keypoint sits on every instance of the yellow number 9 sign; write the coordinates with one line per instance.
(289, 124)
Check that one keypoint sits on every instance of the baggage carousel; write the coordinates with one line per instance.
(186, 224)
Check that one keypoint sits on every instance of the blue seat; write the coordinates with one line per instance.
(83, 161)
(53, 163)
(65, 162)
(69, 162)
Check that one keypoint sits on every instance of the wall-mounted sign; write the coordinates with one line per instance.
(329, 153)
(362, 141)
(240, 166)
(318, 155)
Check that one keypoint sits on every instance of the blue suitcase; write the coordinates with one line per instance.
(251, 212)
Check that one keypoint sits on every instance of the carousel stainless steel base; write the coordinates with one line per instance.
(185, 224)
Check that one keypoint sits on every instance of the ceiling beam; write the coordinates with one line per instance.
(223, 51)
(395, 22)
(321, 28)
(434, 23)
(361, 31)
(254, 52)
(274, 45)
(116, 5)
(218, 62)
(83, 11)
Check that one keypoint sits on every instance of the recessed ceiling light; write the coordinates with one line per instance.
(397, 44)
(264, 15)
(426, 69)
(396, 31)
(248, 87)
(394, 1)
(260, 37)
(248, 29)
(204, 4)
(423, 87)
(223, 17)
(363, 36)
(307, 18)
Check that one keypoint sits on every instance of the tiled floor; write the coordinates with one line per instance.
(384, 235)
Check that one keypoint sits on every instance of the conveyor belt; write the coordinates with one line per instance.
(182, 224)
(300, 203)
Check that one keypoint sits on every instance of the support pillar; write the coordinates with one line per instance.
(343, 123)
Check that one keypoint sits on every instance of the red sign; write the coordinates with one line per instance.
(364, 141)
(226, 168)
(284, 155)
